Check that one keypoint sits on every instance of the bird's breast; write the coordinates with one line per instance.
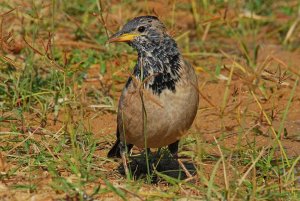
(161, 119)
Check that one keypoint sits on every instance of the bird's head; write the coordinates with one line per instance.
(158, 54)
(141, 32)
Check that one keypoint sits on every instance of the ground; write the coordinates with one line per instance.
(61, 81)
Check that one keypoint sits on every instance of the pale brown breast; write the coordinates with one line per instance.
(162, 119)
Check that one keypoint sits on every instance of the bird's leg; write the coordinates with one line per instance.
(173, 148)
(158, 155)
(158, 152)
(124, 159)
(152, 160)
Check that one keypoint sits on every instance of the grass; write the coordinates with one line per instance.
(60, 83)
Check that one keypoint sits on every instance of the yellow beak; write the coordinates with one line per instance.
(123, 38)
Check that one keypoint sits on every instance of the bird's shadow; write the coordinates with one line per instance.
(159, 167)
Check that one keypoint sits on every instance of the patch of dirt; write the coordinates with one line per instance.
(240, 124)
(210, 122)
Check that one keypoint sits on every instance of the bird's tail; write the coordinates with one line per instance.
(115, 150)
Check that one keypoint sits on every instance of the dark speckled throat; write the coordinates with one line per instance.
(158, 57)
(158, 64)
(162, 62)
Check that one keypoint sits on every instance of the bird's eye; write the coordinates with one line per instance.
(141, 29)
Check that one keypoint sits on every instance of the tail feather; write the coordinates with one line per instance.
(115, 150)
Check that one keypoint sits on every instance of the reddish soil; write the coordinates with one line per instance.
(240, 125)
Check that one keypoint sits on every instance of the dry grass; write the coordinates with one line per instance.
(60, 84)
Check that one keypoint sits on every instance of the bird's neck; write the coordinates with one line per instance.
(159, 65)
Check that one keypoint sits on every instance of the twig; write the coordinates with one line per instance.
(292, 28)
(224, 168)
(101, 19)
(184, 169)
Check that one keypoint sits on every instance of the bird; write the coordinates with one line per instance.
(160, 99)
